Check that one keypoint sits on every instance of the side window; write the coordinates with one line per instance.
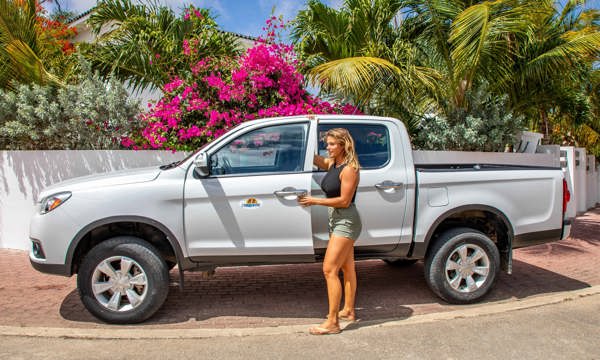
(371, 142)
(278, 148)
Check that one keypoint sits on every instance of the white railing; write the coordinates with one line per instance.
(582, 177)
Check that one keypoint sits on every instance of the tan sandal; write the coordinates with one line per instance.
(346, 317)
(317, 330)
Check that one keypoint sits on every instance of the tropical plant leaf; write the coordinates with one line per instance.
(23, 50)
(133, 35)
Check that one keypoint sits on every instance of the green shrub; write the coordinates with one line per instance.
(488, 125)
(90, 114)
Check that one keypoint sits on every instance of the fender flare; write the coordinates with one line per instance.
(114, 219)
(420, 249)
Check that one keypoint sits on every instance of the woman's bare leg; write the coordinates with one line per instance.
(349, 286)
(337, 252)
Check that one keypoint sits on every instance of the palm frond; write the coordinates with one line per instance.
(114, 13)
(361, 77)
(483, 37)
(22, 50)
(576, 48)
(138, 34)
(570, 6)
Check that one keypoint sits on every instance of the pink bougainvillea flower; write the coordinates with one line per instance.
(174, 84)
(215, 94)
(186, 47)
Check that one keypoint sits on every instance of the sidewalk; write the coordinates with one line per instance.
(265, 296)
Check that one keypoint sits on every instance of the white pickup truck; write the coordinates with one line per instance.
(234, 202)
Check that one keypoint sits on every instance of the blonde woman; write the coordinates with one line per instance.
(339, 184)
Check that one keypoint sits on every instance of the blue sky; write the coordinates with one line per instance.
(244, 17)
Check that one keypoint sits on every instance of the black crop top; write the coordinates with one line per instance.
(331, 183)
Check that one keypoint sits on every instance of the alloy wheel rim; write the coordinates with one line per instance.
(119, 283)
(467, 268)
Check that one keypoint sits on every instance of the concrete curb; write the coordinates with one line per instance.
(138, 333)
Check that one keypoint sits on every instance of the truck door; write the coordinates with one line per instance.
(381, 197)
(246, 211)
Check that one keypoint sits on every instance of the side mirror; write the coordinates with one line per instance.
(201, 164)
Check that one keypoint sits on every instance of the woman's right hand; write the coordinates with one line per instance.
(306, 200)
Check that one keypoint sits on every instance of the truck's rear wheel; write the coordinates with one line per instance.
(462, 265)
(123, 280)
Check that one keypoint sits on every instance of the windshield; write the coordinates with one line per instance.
(193, 153)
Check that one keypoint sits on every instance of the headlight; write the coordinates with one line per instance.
(52, 202)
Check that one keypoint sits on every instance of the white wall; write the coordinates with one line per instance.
(25, 173)
(580, 179)
(597, 185)
(591, 181)
(567, 160)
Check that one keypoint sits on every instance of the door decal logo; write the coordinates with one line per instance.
(251, 203)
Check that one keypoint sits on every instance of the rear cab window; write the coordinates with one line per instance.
(372, 143)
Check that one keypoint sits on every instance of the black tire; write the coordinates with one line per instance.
(400, 263)
(149, 292)
(448, 275)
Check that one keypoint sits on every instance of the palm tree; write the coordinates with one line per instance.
(554, 62)
(357, 53)
(593, 91)
(26, 55)
(528, 49)
(141, 43)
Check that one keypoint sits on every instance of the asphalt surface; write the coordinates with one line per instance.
(290, 297)
(566, 330)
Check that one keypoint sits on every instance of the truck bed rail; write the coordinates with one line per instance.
(428, 159)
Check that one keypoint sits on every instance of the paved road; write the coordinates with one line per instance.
(568, 330)
(251, 297)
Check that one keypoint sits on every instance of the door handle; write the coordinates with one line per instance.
(389, 185)
(285, 193)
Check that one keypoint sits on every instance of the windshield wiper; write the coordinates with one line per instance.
(169, 166)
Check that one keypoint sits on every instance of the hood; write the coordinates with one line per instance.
(121, 177)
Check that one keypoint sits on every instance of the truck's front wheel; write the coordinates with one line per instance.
(462, 265)
(123, 280)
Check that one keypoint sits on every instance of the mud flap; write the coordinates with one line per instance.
(180, 278)
(506, 258)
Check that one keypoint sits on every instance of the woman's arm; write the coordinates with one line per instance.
(349, 178)
(321, 162)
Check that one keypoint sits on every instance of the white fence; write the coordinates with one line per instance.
(25, 173)
(583, 179)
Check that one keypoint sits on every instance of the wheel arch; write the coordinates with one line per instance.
(487, 219)
(101, 230)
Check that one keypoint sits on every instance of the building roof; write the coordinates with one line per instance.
(77, 17)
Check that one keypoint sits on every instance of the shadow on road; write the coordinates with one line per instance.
(298, 291)
(280, 294)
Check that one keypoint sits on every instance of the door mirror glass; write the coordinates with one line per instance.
(201, 164)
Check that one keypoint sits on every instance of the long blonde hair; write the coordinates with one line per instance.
(343, 137)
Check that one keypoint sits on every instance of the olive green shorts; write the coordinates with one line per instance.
(344, 222)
